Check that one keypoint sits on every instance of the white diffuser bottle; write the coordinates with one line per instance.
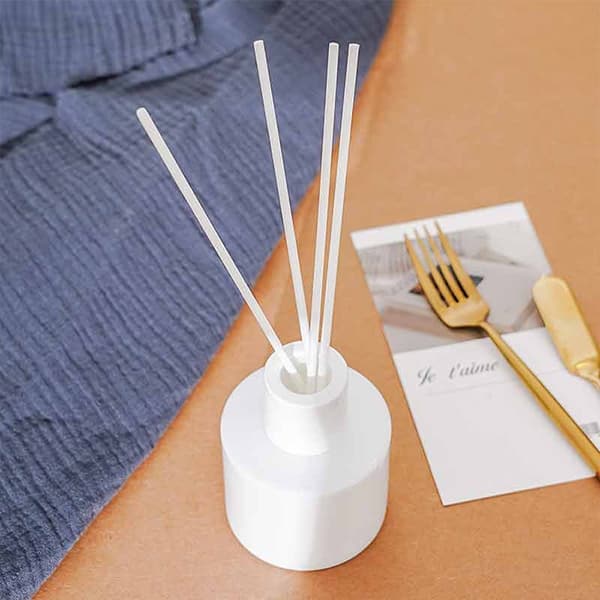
(306, 474)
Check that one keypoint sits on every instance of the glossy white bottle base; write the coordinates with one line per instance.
(306, 475)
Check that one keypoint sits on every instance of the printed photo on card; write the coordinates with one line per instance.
(483, 432)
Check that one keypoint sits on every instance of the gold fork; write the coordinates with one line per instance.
(457, 302)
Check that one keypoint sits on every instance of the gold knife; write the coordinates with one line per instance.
(567, 328)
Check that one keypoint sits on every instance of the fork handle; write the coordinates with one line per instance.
(549, 403)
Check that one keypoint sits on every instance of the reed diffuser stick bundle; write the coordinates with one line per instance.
(315, 350)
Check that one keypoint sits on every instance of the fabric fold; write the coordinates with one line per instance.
(48, 46)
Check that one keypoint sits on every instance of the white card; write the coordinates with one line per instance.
(483, 432)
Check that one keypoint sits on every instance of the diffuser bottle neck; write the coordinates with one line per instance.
(299, 422)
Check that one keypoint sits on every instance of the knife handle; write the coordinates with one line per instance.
(549, 403)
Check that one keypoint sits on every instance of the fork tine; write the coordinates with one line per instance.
(428, 288)
(446, 272)
(434, 272)
(465, 281)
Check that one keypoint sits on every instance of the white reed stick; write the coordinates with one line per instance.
(213, 237)
(282, 190)
(338, 205)
(321, 235)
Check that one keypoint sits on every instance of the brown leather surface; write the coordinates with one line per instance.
(468, 104)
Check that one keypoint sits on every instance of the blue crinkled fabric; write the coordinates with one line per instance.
(112, 302)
